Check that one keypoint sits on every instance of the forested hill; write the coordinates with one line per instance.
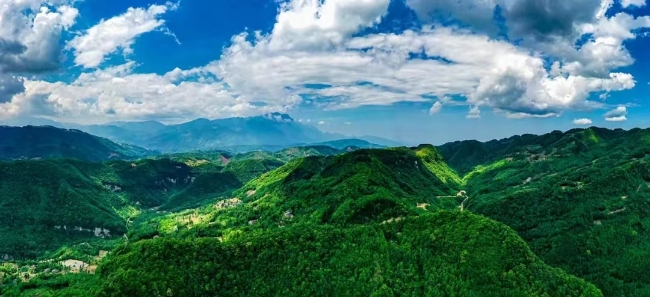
(358, 187)
(581, 199)
(464, 156)
(32, 142)
(441, 254)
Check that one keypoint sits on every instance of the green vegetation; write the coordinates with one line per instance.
(53, 203)
(444, 254)
(48, 142)
(48, 204)
(580, 199)
(399, 222)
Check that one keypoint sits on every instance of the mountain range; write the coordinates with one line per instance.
(274, 131)
(559, 214)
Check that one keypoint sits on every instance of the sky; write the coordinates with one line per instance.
(410, 70)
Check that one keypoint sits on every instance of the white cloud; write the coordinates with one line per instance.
(436, 108)
(474, 113)
(321, 123)
(618, 114)
(117, 33)
(319, 42)
(637, 3)
(117, 93)
(525, 85)
(348, 123)
(30, 42)
(582, 122)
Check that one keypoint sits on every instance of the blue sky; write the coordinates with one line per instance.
(411, 70)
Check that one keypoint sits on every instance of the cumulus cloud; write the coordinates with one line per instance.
(618, 114)
(582, 122)
(9, 86)
(322, 43)
(553, 27)
(545, 19)
(436, 108)
(637, 3)
(474, 112)
(29, 43)
(489, 73)
(117, 34)
(116, 93)
(321, 123)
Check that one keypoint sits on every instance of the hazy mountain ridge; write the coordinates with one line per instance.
(268, 132)
(271, 132)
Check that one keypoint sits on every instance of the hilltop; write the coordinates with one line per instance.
(357, 187)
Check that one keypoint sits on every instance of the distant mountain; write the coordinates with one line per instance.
(32, 142)
(346, 143)
(269, 132)
(30, 121)
(381, 141)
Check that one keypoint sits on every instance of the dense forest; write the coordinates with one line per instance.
(463, 219)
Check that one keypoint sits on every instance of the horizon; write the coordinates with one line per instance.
(413, 71)
(343, 136)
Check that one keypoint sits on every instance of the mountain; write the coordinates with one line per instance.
(577, 201)
(203, 134)
(441, 254)
(32, 142)
(381, 141)
(49, 204)
(30, 121)
(357, 187)
(269, 132)
(346, 143)
(579, 198)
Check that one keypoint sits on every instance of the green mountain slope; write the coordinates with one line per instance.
(444, 254)
(31, 142)
(361, 186)
(580, 199)
(49, 204)
(373, 218)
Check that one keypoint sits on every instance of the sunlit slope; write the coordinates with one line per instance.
(357, 187)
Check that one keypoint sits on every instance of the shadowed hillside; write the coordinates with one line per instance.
(31, 142)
